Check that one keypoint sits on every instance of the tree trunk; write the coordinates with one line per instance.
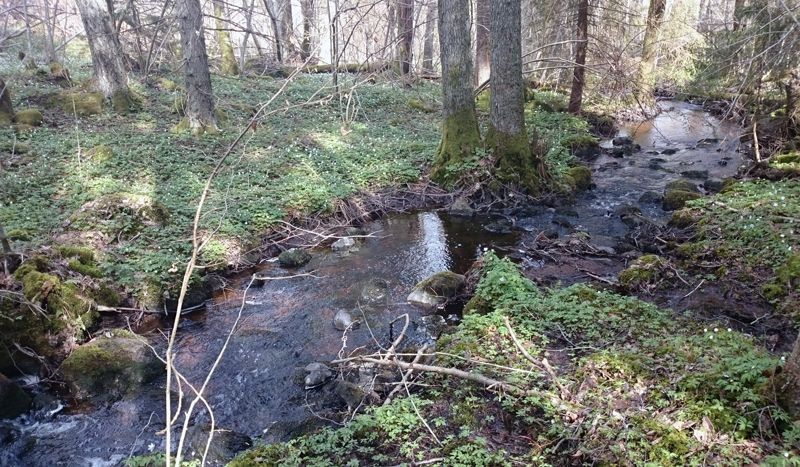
(200, 116)
(406, 14)
(579, 73)
(788, 382)
(309, 11)
(460, 134)
(647, 67)
(427, 47)
(109, 76)
(6, 107)
(229, 66)
(482, 36)
(507, 135)
(287, 30)
(276, 30)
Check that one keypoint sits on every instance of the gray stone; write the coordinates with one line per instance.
(683, 185)
(343, 320)
(622, 141)
(318, 374)
(225, 444)
(713, 185)
(461, 208)
(343, 244)
(669, 151)
(294, 257)
(650, 197)
(696, 174)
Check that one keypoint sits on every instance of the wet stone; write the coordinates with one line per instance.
(501, 226)
(294, 257)
(669, 151)
(562, 222)
(318, 374)
(343, 320)
(695, 174)
(650, 197)
(622, 141)
(461, 208)
(343, 244)
(713, 185)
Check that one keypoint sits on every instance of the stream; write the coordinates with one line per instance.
(286, 322)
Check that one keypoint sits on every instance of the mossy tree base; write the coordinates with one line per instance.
(197, 128)
(515, 162)
(460, 138)
(125, 102)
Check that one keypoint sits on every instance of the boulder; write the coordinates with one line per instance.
(461, 208)
(107, 369)
(683, 185)
(435, 290)
(13, 400)
(30, 117)
(622, 141)
(669, 151)
(650, 197)
(294, 257)
(676, 199)
(582, 177)
(343, 244)
(713, 185)
(225, 444)
(696, 174)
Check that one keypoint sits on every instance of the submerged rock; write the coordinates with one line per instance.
(676, 199)
(343, 320)
(650, 197)
(374, 291)
(294, 257)
(622, 141)
(225, 444)
(435, 290)
(319, 374)
(13, 400)
(696, 174)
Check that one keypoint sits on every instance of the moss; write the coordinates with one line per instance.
(642, 271)
(18, 235)
(196, 130)
(84, 254)
(85, 269)
(790, 270)
(676, 199)
(23, 129)
(30, 117)
(80, 104)
(515, 161)
(460, 138)
(681, 219)
(484, 101)
(791, 158)
(419, 104)
(179, 105)
(477, 305)
(773, 291)
(107, 296)
(16, 147)
(102, 153)
(124, 102)
(119, 213)
(221, 114)
(166, 84)
(582, 177)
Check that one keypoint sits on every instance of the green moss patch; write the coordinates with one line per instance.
(79, 104)
(30, 117)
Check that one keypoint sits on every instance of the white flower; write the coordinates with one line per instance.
(711, 336)
(729, 329)
(715, 329)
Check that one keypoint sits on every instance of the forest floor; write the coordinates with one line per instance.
(587, 374)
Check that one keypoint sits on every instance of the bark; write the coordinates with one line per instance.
(109, 76)
(406, 33)
(309, 11)
(482, 36)
(276, 30)
(788, 382)
(287, 29)
(738, 8)
(507, 135)
(427, 47)
(229, 66)
(647, 67)
(460, 134)
(200, 116)
(579, 73)
(6, 107)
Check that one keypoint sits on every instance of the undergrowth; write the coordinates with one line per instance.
(641, 386)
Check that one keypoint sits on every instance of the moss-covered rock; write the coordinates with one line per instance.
(676, 199)
(166, 84)
(81, 104)
(419, 104)
(645, 269)
(116, 214)
(681, 219)
(22, 130)
(15, 147)
(101, 153)
(435, 290)
(790, 158)
(13, 400)
(30, 117)
(107, 369)
(682, 185)
(582, 177)
(294, 257)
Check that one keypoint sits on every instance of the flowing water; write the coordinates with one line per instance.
(286, 322)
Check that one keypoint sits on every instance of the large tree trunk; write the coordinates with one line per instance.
(200, 116)
(276, 30)
(482, 36)
(579, 73)
(109, 76)
(460, 134)
(287, 30)
(788, 382)
(427, 46)
(309, 11)
(647, 67)
(507, 135)
(229, 66)
(406, 14)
